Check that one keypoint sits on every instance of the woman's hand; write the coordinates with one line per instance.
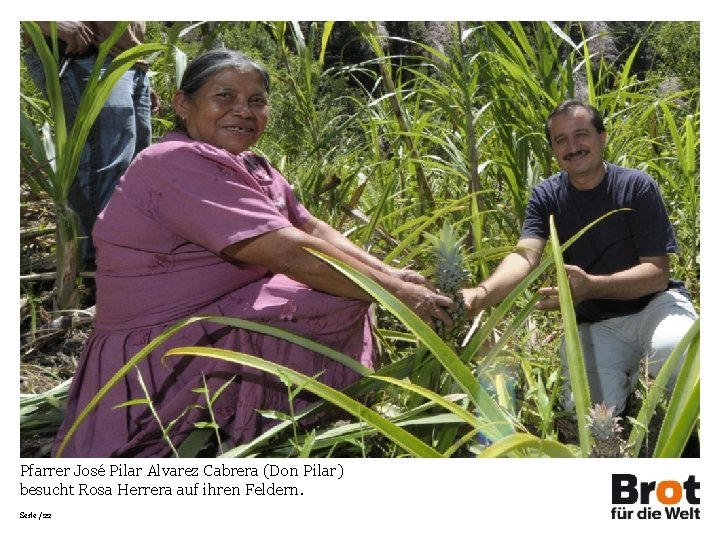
(421, 296)
(426, 304)
(411, 276)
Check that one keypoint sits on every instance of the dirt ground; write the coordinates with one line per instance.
(49, 345)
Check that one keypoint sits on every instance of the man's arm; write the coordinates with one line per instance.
(649, 276)
(512, 270)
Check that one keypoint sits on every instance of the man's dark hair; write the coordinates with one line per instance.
(568, 105)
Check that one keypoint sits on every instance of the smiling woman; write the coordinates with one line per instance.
(199, 225)
(230, 111)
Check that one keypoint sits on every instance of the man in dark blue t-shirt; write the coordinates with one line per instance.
(627, 306)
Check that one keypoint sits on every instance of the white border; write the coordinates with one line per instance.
(378, 498)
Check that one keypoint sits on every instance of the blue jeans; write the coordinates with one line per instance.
(122, 129)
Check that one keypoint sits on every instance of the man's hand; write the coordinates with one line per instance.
(76, 34)
(581, 288)
(474, 300)
(154, 102)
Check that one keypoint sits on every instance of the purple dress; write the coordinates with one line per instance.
(180, 203)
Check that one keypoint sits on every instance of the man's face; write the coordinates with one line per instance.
(578, 147)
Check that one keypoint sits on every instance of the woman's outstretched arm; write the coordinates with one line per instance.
(283, 251)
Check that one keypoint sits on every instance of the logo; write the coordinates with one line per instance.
(661, 499)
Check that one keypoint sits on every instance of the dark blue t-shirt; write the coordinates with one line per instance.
(615, 243)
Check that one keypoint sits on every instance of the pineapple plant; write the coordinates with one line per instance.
(605, 429)
(450, 274)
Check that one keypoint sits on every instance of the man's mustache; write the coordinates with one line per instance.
(572, 155)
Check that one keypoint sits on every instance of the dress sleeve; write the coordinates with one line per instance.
(203, 195)
(297, 213)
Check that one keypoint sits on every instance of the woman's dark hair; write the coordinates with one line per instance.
(211, 62)
(570, 104)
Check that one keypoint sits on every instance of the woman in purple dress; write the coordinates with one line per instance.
(201, 226)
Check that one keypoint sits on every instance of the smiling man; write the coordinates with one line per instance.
(626, 305)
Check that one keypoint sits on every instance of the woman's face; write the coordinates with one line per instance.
(229, 111)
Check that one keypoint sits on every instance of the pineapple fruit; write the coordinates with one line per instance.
(450, 275)
(605, 429)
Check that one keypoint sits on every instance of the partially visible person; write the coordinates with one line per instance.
(200, 225)
(122, 128)
(626, 305)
